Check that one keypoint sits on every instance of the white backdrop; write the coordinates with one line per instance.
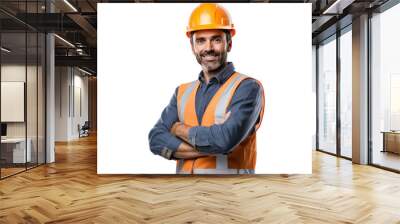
(144, 54)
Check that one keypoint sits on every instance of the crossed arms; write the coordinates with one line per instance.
(174, 140)
(185, 150)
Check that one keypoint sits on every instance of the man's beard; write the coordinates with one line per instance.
(211, 66)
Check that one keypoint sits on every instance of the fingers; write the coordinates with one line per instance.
(189, 155)
(174, 127)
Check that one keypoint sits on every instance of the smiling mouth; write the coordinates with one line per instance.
(210, 58)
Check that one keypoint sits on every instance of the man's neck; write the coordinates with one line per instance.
(210, 74)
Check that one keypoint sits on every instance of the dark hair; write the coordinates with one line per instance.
(227, 34)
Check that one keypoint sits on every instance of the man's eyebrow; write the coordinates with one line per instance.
(216, 36)
(212, 37)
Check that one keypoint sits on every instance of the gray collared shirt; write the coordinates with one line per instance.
(219, 138)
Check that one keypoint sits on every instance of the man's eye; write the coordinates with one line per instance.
(217, 40)
(199, 41)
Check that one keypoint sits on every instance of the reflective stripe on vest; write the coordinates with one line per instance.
(228, 171)
(217, 111)
(222, 168)
(185, 96)
(222, 103)
(220, 110)
(214, 171)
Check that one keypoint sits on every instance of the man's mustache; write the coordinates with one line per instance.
(209, 53)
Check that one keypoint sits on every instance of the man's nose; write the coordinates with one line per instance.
(209, 45)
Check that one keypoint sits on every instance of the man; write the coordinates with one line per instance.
(210, 124)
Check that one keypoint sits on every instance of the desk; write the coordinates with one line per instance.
(391, 141)
(13, 150)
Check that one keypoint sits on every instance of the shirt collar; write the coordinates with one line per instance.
(223, 75)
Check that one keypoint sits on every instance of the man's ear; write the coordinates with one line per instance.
(191, 46)
(191, 43)
(229, 46)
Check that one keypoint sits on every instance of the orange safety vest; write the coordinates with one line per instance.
(242, 159)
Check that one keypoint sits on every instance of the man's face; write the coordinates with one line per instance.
(210, 48)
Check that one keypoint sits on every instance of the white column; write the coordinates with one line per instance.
(63, 103)
(50, 93)
(314, 90)
(360, 90)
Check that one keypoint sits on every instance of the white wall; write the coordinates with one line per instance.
(70, 83)
(33, 127)
(80, 88)
(12, 73)
(148, 77)
(314, 91)
(61, 103)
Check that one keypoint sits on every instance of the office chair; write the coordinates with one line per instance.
(84, 130)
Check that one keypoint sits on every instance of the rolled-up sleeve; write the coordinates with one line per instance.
(245, 108)
(161, 141)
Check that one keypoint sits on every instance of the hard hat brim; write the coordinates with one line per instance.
(211, 27)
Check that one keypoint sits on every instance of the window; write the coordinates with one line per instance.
(385, 88)
(22, 74)
(327, 96)
(346, 93)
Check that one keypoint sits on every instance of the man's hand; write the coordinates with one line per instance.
(175, 127)
(181, 130)
(186, 151)
(188, 155)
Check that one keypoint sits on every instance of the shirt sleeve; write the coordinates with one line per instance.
(245, 108)
(161, 141)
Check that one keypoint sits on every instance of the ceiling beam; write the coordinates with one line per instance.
(84, 24)
(337, 6)
(85, 61)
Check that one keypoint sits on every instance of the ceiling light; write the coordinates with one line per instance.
(338, 6)
(79, 51)
(84, 71)
(64, 40)
(5, 50)
(70, 5)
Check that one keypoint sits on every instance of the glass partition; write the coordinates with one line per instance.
(32, 95)
(22, 67)
(385, 89)
(346, 93)
(41, 109)
(327, 96)
(13, 103)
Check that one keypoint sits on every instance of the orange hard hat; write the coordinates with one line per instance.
(210, 16)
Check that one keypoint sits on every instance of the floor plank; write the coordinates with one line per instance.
(70, 191)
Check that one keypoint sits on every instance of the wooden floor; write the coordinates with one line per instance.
(8, 171)
(5, 172)
(70, 191)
